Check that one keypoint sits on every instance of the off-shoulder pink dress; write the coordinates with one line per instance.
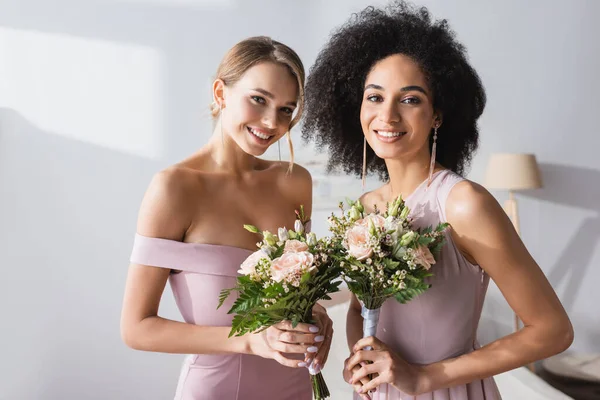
(206, 270)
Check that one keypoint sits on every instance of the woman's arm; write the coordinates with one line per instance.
(483, 232)
(164, 213)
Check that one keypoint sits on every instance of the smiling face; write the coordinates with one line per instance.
(259, 107)
(397, 112)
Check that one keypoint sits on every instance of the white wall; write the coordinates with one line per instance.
(95, 96)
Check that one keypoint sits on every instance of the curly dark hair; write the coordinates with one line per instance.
(336, 81)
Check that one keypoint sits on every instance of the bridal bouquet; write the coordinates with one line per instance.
(382, 256)
(283, 280)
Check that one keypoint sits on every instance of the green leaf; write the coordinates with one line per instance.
(248, 299)
(442, 227)
(425, 240)
(224, 295)
(305, 278)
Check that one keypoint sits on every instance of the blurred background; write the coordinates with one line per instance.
(98, 95)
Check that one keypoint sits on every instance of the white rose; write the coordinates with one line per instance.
(249, 265)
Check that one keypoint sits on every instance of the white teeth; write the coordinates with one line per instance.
(259, 134)
(389, 134)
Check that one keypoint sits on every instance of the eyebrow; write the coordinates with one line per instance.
(271, 96)
(404, 89)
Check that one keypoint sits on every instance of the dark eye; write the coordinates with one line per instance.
(411, 100)
(258, 99)
(287, 111)
(374, 98)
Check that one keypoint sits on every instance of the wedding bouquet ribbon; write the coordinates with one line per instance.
(370, 321)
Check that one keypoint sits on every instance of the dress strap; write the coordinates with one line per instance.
(190, 257)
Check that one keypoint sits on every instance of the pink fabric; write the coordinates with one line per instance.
(442, 322)
(206, 270)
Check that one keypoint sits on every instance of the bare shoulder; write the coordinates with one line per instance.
(296, 185)
(468, 201)
(478, 223)
(167, 207)
(298, 179)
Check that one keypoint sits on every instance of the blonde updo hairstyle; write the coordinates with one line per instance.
(255, 50)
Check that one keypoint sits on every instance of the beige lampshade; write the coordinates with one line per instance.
(513, 171)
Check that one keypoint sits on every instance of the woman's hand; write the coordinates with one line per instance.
(385, 366)
(323, 339)
(358, 384)
(282, 338)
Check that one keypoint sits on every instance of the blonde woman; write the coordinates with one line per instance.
(190, 232)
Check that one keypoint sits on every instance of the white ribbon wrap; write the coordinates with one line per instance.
(370, 321)
(311, 368)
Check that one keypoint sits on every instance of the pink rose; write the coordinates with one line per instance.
(295, 246)
(377, 219)
(291, 265)
(249, 265)
(424, 257)
(357, 242)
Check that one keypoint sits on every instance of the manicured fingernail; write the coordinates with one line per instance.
(313, 329)
(319, 338)
(302, 364)
(312, 349)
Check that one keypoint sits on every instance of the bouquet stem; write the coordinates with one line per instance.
(320, 390)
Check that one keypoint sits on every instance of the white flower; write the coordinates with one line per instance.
(407, 238)
(354, 214)
(248, 267)
(283, 234)
(299, 226)
(311, 239)
(269, 238)
(268, 250)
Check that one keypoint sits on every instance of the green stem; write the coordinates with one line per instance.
(320, 390)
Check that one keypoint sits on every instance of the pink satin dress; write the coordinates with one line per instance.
(206, 270)
(442, 322)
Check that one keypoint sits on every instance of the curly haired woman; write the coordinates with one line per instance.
(393, 93)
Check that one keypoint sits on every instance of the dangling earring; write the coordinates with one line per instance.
(433, 150)
(279, 149)
(364, 164)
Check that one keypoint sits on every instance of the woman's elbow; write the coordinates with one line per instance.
(130, 335)
(562, 337)
(565, 337)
